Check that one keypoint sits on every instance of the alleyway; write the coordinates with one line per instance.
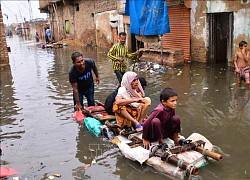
(39, 136)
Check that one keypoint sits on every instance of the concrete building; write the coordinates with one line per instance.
(204, 31)
(71, 19)
(217, 27)
(4, 57)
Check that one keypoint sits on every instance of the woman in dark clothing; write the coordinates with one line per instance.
(162, 122)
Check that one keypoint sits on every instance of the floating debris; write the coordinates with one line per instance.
(57, 175)
(86, 166)
(196, 75)
(148, 67)
(179, 73)
(216, 90)
(156, 66)
(51, 177)
(93, 162)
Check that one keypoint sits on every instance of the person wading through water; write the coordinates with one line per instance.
(81, 79)
(119, 54)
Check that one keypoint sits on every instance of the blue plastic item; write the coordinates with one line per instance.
(93, 125)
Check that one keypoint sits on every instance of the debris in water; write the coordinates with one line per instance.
(51, 177)
(86, 166)
(196, 75)
(179, 73)
(57, 175)
(93, 162)
(156, 66)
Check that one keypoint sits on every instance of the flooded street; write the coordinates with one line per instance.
(39, 136)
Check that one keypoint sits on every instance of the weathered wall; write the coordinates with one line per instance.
(103, 27)
(200, 29)
(82, 26)
(4, 57)
(108, 22)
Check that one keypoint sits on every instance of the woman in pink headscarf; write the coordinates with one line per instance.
(131, 105)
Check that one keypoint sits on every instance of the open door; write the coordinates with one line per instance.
(220, 37)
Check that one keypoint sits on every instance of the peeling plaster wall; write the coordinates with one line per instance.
(200, 28)
(82, 25)
(199, 34)
(241, 26)
(103, 27)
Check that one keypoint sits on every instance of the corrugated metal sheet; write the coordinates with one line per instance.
(179, 36)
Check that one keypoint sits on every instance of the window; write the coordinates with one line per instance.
(77, 7)
(67, 26)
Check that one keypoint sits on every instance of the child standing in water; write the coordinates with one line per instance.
(241, 60)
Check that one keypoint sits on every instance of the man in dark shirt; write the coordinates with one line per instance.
(81, 79)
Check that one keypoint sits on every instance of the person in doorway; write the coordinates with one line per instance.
(37, 37)
(131, 106)
(81, 79)
(109, 102)
(241, 60)
(162, 122)
(48, 35)
(119, 54)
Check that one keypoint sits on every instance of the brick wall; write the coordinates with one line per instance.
(4, 57)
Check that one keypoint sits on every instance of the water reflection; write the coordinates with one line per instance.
(239, 105)
(8, 102)
(39, 135)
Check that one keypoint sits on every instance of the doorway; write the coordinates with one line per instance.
(220, 37)
(136, 44)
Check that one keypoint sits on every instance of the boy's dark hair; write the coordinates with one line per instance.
(75, 55)
(122, 34)
(143, 81)
(167, 93)
(242, 43)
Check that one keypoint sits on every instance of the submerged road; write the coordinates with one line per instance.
(39, 136)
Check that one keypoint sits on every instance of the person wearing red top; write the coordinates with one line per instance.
(162, 122)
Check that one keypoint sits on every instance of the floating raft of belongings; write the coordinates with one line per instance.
(180, 160)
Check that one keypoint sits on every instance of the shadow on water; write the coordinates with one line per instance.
(39, 136)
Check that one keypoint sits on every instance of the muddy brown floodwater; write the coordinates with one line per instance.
(39, 136)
